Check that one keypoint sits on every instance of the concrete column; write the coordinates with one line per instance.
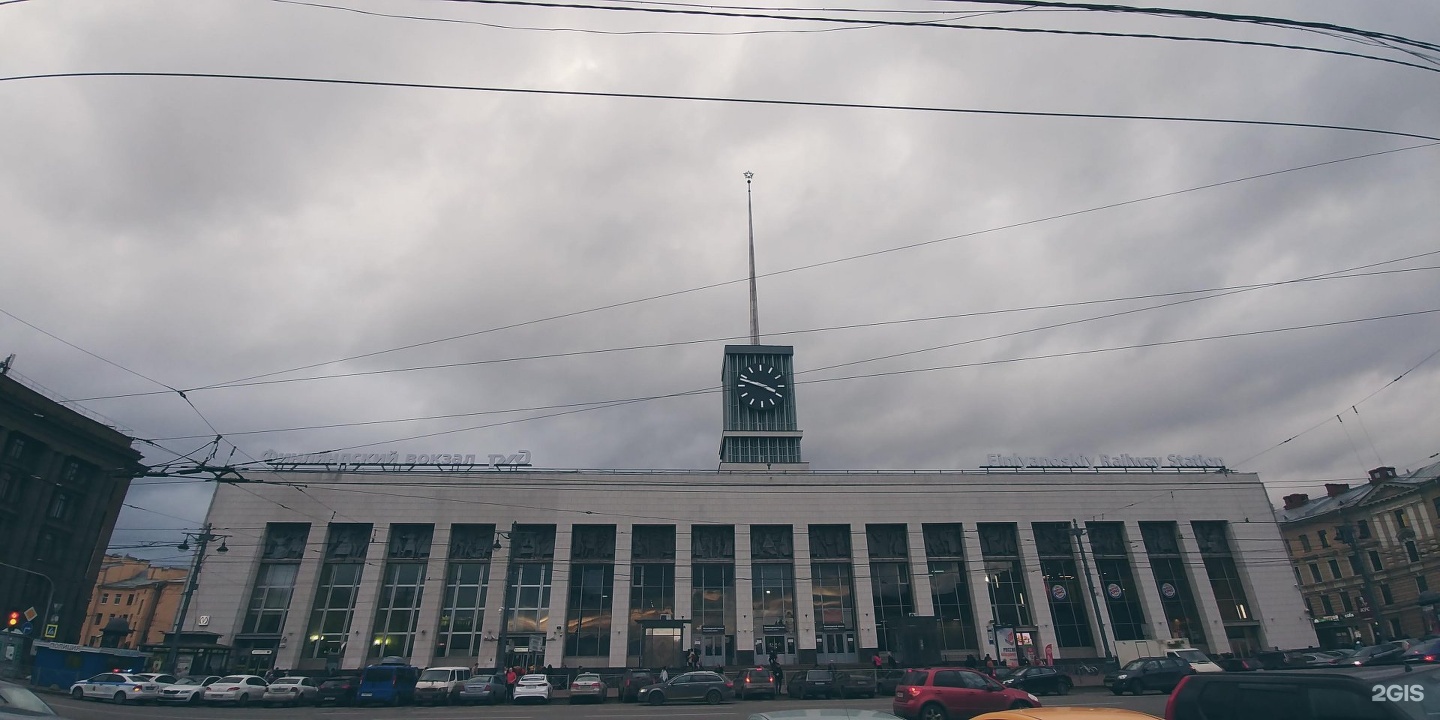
(1099, 608)
(302, 600)
(489, 654)
(1145, 582)
(559, 597)
(805, 635)
(867, 638)
(362, 621)
(431, 600)
(1204, 594)
(744, 598)
(1273, 598)
(979, 591)
(684, 582)
(1035, 586)
(920, 571)
(620, 597)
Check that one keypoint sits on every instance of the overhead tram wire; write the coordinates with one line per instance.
(893, 373)
(809, 266)
(699, 11)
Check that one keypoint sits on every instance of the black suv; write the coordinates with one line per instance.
(1148, 673)
(813, 683)
(1359, 694)
(632, 681)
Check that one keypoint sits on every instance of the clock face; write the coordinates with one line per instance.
(761, 387)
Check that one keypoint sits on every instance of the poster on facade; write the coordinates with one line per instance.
(1005, 642)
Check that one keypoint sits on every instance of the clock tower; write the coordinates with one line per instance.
(760, 431)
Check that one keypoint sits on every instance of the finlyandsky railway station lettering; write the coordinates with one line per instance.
(393, 459)
(1174, 460)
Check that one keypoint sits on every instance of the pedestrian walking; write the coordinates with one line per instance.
(893, 662)
(779, 674)
(971, 662)
(876, 659)
(989, 665)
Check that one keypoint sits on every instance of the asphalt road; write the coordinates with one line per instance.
(93, 710)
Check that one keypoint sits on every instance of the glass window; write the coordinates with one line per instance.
(1385, 596)
(712, 600)
(1363, 526)
(334, 608)
(529, 598)
(834, 596)
(1411, 551)
(1229, 593)
(652, 594)
(894, 601)
(270, 599)
(1400, 520)
(397, 610)
(1324, 538)
(1375, 561)
(1067, 604)
(1345, 602)
(950, 591)
(1334, 569)
(462, 609)
(773, 595)
(587, 616)
(1315, 572)
(1421, 584)
(1305, 542)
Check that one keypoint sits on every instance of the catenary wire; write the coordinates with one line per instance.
(824, 263)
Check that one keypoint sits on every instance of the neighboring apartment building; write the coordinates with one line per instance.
(1385, 529)
(63, 476)
(146, 596)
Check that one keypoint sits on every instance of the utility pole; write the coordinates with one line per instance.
(1079, 534)
(202, 539)
(504, 636)
(1346, 533)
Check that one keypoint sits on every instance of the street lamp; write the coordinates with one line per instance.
(202, 540)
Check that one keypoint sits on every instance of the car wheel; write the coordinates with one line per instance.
(1138, 687)
(119, 698)
(657, 698)
(77, 693)
(243, 699)
(713, 697)
(1063, 688)
(196, 698)
(1118, 690)
(933, 711)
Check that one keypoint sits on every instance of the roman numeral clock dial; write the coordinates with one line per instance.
(761, 387)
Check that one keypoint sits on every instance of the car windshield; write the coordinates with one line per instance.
(533, 680)
(1194, 656)
(1133, 665)
(19, 701)
(819, 675)
(433, 675)
(231, 679)
(190, 681)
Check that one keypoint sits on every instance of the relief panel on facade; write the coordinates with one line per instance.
(472, 542)
(285, 541)
(1210, 536)
(653, 542)
(944, 540)
(533, 542)
(998, 540)
(771, 542)
(1107, 539)
(712, 542)
(829, 542)
(1052, 540)
(1159, 538)
(348, 541)
(886, 542)
(410, 542)
(592, 542)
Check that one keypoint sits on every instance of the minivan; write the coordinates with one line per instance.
(440, 684)
(392, 682)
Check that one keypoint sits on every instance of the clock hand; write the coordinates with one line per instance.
(756, 384)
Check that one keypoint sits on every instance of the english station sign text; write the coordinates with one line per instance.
(1001, 460)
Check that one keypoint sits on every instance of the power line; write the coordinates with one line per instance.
(810, 266)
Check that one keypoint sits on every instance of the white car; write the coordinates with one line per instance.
(534, 688)
(292, 691)
(188, 689)
(117, 687)
(1198, 660)
(158, 678)
(238, 689)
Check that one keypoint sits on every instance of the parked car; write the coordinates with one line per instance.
(188, 689)
(533, 688)
(339, 690)
(17, 701)
(440, 684)
(392, 682)
(805, 684)
(1197, 660)
(700, 685)
(1142, 675)
(1388, 653)
(755, 682)
(116, 687)
(855, 683)
(941, 693)
(633, 681)
(293, 691)
(160, 679)
(1304, 695)
(238, 689)
(1427, 651)
(887, 680)
(588, 686)
(1040, 681)
(1243, 664)
(487, 687)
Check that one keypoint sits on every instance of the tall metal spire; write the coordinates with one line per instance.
(754, 305)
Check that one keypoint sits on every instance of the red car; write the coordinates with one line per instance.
(944, 693)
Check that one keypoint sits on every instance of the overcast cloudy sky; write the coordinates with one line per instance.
(198, 231)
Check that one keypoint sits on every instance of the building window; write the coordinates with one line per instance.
(1375, 561)
(62, 507)
(1004, 578)
(1395, 629)
(104, 598)
(773, 595)
(834, 596)
(529, 599)
(1324, 538)
(130, 599)
(1119, 591)
(1364, 527)
(1385, 596)
(587, 620)
(1305, 542)
(1421, 584)
(1335, 569)
(398, 609)
(1355, 568)
(334, 608)
(894, 601)
(1412, 551)
(1229, 592)
(712, 605)
(1315, 573)
(951, 594)
(1309, 608)
(1400, 520)
(1437, 507)
(1326, 606)
(9, 487)
(466, 586)
(98, 619)
(1345, 602)
(270, 600)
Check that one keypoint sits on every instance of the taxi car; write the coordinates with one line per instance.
(238, 689)
(292, 691)
(117, 687)
(188, 689)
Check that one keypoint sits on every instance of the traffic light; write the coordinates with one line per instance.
(13, 620)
